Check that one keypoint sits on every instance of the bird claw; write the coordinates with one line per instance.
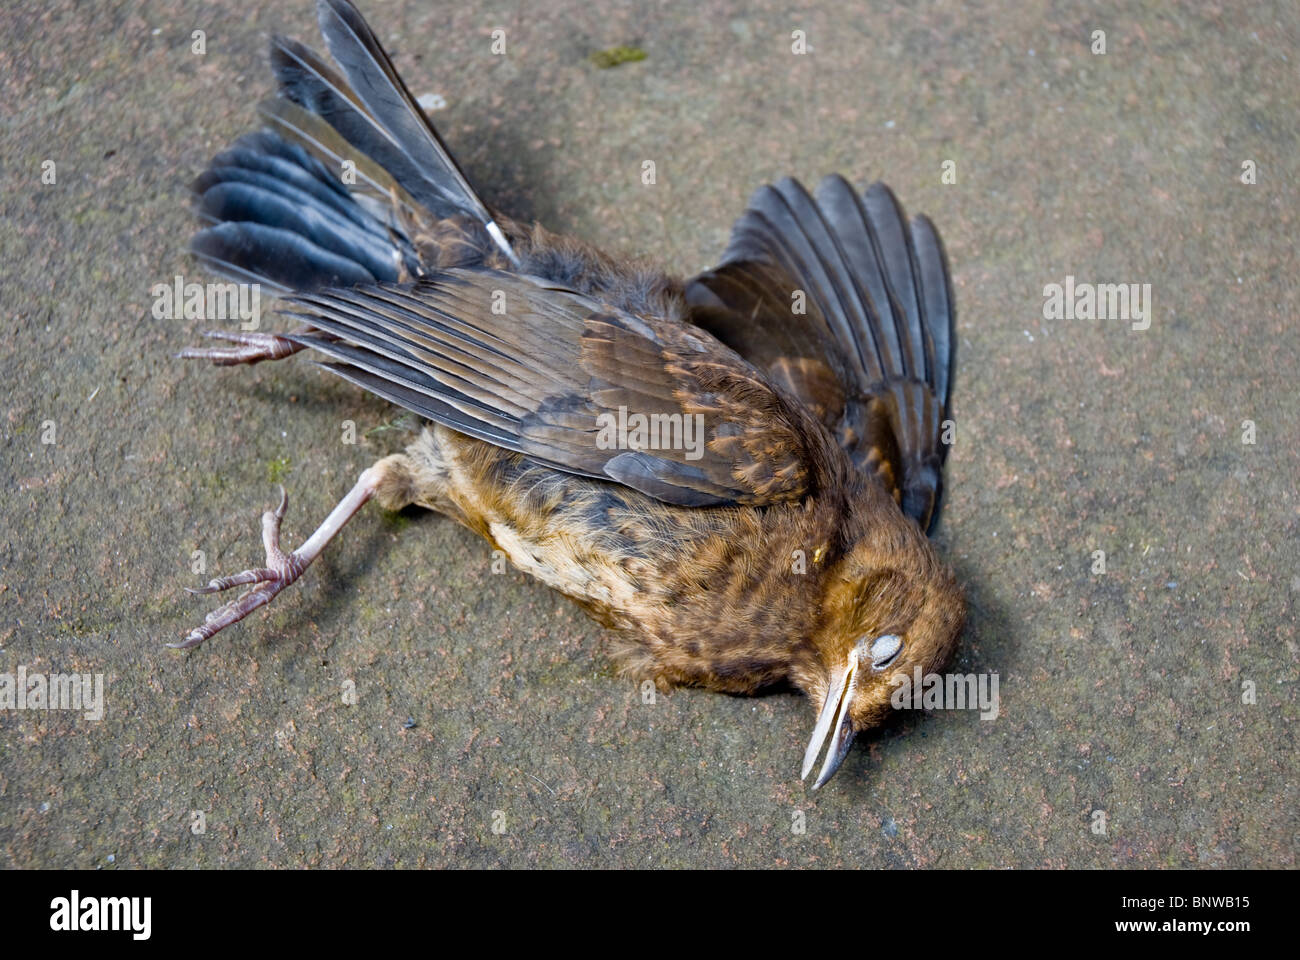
(281, 570)
(256, 575)
(250, 348)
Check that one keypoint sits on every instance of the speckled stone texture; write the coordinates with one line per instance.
(1121, 693)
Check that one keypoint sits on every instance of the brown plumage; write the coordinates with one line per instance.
(735, 474)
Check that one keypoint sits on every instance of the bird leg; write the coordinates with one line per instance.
(281, 568)
(250, 347)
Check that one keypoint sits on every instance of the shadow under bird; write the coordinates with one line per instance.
(735, 473)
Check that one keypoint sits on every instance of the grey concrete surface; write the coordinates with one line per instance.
(1125, 693)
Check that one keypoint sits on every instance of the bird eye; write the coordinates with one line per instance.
(884, 650)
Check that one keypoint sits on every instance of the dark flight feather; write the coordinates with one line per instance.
(871, 355)
(288, 220)
(376, 84)
(543, 377)
(308, 82)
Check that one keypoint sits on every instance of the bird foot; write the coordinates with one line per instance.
(249, 348)
(281, 568)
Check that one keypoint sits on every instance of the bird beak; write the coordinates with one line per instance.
(834, 729)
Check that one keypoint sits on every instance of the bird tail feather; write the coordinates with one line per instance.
(330, 191)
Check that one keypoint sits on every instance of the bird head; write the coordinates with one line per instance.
(890, 606)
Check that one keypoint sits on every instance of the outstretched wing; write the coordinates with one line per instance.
(347, 183)
(848, 309)
(573, 384)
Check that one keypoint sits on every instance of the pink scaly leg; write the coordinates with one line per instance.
(281, 568)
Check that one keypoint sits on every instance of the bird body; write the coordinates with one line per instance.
(734, 473)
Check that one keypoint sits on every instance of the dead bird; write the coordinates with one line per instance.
(735, 473)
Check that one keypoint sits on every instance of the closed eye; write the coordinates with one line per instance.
(885, 650)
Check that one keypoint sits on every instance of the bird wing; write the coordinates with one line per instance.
(348, 182)
(849, 310)
(549, 373)
(374, 108)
